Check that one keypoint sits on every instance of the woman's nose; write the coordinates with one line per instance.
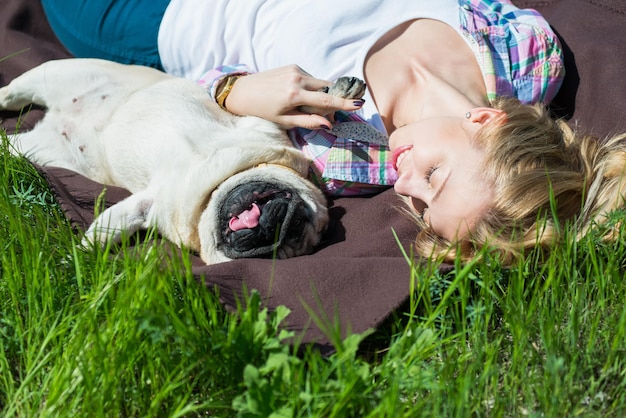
(403, 186)
(406, 185)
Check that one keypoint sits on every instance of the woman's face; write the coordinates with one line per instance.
(439, 169)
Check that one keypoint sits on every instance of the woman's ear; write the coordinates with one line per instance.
(483, 115)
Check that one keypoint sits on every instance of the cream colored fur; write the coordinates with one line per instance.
(160, 137)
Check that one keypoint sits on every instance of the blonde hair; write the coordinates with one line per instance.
(545, 174)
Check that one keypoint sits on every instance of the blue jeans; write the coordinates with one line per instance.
(124, 31)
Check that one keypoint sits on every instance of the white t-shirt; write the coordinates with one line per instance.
(327, 38)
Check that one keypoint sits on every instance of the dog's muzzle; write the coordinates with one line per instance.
(257, 218)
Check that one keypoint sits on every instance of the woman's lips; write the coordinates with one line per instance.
(398, 155)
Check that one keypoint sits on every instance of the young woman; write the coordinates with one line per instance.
(436, 73)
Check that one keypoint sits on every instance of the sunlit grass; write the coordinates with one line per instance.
(131, 333)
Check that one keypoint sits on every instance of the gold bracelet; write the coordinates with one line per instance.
(224, 90)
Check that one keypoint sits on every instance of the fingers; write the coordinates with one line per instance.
(312, 122)
(297, 79)
(319, 111)
(302, 120)
(312, 118)
(309, 83)
(324, 103)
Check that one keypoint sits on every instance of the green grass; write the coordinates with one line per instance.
(131, 333)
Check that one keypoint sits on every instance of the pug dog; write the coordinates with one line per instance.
(222, 185)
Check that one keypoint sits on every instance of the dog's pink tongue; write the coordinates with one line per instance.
(246, 219)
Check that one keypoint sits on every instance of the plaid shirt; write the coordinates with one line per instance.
(519, 56)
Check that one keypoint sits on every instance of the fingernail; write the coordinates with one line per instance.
(325, 127)
(358, 103)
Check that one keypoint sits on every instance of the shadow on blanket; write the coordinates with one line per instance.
(360, 273)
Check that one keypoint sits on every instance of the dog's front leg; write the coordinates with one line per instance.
(123, 218)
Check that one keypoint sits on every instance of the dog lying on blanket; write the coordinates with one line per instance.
(225, 186)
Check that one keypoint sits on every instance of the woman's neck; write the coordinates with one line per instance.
(422, 69)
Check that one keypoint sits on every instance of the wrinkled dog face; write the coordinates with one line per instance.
(265, 212)
(259, 219)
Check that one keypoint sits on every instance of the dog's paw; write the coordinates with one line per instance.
(8, 101)
(94, 237)
(4, 92)
(346, 88)
(87, 243)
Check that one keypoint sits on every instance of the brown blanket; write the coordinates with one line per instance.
(359, 274)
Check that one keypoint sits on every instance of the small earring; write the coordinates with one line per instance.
(468, 115)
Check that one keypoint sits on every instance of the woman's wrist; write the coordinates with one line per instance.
(224, 88)
(213, 81)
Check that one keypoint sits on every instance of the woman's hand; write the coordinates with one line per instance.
(276, 95)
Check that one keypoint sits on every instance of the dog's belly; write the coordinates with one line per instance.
(165, 129)
(124, 138)
(75, 127)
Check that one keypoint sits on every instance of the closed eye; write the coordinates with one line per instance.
(430, 172)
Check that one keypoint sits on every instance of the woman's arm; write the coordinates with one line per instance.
(277, 94)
